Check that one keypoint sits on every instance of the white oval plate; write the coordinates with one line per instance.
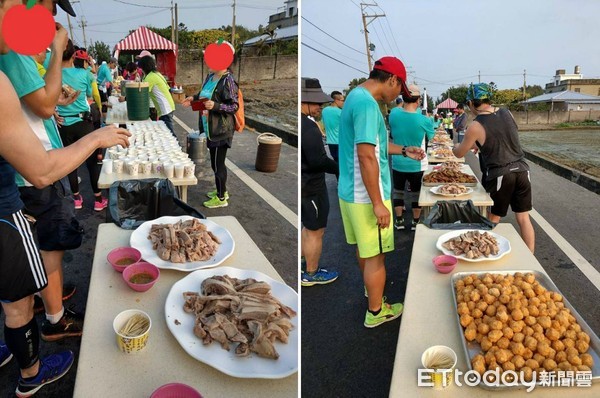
(227, 362)
(139, 240)
(503, 243)
(435, 190)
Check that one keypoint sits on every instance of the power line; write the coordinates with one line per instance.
(140, 5)
(351, 48)
(127, 18)
(336, 60)
(305, 36)
(385, 35)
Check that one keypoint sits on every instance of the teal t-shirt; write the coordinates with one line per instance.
(331, 120)
(207, 92)
(22, 71)
(104, 75)
(361, 122)
(79, 79)
(409, 129)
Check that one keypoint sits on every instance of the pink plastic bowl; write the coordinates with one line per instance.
(449, 261)
(138, 268)
(175, 390)
(120, 253)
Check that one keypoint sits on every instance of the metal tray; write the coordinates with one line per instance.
(473, 348)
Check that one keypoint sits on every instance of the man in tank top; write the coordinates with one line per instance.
(505, 174)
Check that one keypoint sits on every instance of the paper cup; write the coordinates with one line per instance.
(189, 169)
(130, 344)
(157, 167)
(118, 166)
(133, 168)
(179, 169)
(441, 377)
(169, 169)
(146, 167)
(107, 166)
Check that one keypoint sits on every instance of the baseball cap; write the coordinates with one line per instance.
(81, 54)
(144, 53)
(479, 91)
(66, 6)
(415, 91)
(113, 60)
(311, 92)
(393, 66)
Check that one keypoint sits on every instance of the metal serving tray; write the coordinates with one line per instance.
(472, 348)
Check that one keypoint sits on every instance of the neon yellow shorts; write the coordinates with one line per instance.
(360, 226)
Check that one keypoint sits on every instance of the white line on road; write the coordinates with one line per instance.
(584, 266)
(286, 213)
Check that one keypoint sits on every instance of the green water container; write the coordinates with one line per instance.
(138, 100)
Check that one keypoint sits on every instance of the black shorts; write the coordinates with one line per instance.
(55, 224)
(70, 134)
(22, 272)
(512, 189)
(314, 211)
(414, 180)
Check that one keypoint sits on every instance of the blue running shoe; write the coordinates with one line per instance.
(321, 277)
(5, 355)
(52, 368)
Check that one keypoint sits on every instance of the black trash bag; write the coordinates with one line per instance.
(132, 202)
(456, 214)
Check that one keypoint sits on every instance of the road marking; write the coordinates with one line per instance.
(282, 209)
(584, 266)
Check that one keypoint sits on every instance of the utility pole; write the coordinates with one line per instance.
(176, 26)
(69, 21)
(479, 76)
(524, 82)
(233, 27)
(172, 22)
(82, 25)
(366, 23)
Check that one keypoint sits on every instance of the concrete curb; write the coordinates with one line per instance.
(289, 137)
(585, 180)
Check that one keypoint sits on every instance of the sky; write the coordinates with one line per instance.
(447, 43)
(111, 20)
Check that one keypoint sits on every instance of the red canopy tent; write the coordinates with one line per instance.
(449, 103)
(165, 51)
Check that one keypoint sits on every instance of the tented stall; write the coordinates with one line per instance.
(449, 103)
(164, 51)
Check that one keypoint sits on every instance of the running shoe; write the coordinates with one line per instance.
(212, 194)
(70, 325)
(215, 202)
(100, 205)
(399, 223)
(388, 312)
(414, 224)
(68, 292)
(78, 199)
(52, 368)
(5, 355)
(321, 277)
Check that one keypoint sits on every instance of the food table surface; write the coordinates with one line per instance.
(104, 371)
(433, 159)
(479, 197)
(429, 318)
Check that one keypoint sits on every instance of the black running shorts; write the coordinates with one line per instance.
(512, 189)
(22, 272)
(315, 210)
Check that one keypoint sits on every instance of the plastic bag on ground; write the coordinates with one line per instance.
(457, 214)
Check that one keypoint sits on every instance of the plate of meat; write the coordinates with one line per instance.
(184, 243)
(451, 190)
(241, 322)
(474, 245)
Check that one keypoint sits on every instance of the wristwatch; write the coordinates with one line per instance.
(404, 151)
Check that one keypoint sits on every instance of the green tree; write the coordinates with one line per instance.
(202, 38)
(506, 97)
(100, 51)
(458, 94)
(354, 83)
(533, 91)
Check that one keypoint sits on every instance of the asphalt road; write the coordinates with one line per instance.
(342, 358)
(275, 236)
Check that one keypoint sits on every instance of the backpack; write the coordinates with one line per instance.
(240, 120)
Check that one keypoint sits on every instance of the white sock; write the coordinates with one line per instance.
(56, 317)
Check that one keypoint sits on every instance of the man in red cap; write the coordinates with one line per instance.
(364, 187)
